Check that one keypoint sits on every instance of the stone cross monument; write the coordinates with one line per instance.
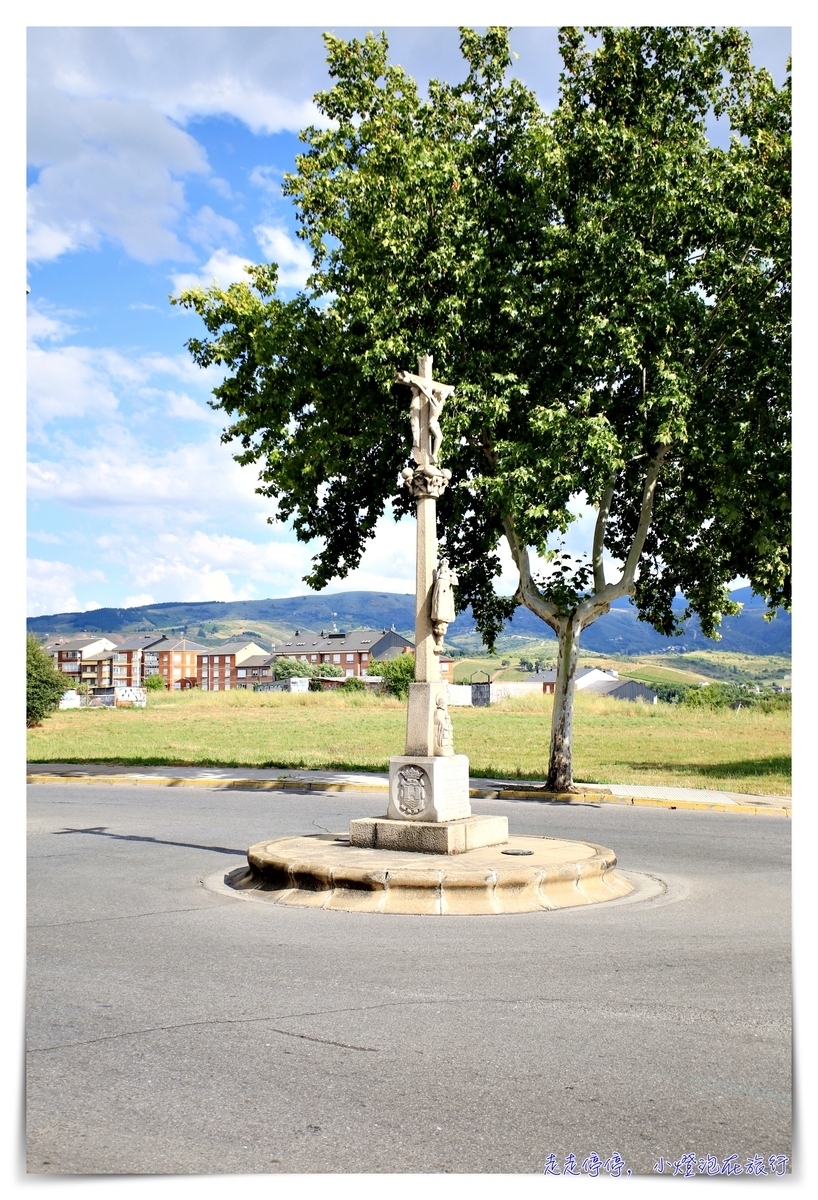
(429, 781)
(429, 808)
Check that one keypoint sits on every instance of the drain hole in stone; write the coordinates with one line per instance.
(345, 840)
(516, 851)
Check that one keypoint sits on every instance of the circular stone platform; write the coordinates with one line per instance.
(324, 871)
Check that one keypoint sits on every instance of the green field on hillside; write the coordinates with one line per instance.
(614, 742)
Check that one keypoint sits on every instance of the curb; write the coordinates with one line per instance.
(477, 793)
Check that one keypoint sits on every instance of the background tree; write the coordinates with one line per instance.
(286, 668)
(397, 673)
(45, 685)
(154, 683)
(606, 288)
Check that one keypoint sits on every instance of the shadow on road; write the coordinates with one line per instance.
(102, 831)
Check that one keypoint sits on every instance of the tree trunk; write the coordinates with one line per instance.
(560, 767)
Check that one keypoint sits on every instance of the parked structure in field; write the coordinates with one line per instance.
(585, 677)
(625, 689)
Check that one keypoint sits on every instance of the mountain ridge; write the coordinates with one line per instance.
(618, 632)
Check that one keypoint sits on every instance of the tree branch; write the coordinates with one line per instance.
(599, 536)
(592, 606)
(527, 590)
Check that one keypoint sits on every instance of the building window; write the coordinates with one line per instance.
(227, 685)
(242, 672)
(215, 658)
(350, 658)
(350, 671)
(313, 658)
(265, 671)
(336, 658)
(364, 657)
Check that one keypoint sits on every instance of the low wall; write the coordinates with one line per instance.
(502, 691)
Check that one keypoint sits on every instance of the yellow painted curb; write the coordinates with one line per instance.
(316, 785)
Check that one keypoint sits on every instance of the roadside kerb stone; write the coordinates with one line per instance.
(315, 781)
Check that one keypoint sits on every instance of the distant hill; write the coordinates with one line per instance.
(619, 632)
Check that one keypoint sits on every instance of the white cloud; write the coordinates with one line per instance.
(180, 405)
(177, 578)
(183, 486)
(293, 257)
(208, 228)
(138, 600)
(51, 587)
(43, 327)
(268, 178)
(265, 77)
(108, 171)
(222, 268)
(69, 382)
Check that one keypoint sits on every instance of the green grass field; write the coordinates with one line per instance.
(614, 741)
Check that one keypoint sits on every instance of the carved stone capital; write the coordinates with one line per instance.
(426, 481)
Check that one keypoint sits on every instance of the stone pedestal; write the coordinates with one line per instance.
(428, 837)
(420, 717)
(425, 788)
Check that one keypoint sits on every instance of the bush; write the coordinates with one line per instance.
(315, 685)
(330, 670)
(44, 683)
(397, 673)
(353, 684)
(287, 668)
(722, 695)
(153, 683)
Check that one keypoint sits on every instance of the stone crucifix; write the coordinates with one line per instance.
(426, 482)
(428, 727)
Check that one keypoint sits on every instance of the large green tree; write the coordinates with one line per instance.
(45, 685)
(607, 287)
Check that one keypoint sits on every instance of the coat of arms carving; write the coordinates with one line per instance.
(411, 790)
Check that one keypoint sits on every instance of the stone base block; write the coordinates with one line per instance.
(428, 789)
(429, 837)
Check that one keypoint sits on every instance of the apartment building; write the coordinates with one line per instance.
(217, 670)
(83, 658)
(176, 660)
(353, 652)
(259, 668)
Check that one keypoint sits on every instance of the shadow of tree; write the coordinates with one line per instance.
(747, 768)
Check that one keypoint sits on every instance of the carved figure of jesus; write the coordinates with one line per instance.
(435, 394)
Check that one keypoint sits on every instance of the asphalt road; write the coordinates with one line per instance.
(173, 1029)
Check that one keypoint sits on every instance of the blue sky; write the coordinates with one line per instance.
(155, 160)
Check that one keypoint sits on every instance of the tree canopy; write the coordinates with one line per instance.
(44, 683)
(606, 287)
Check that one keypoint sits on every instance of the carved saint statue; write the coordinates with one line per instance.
(442, 603)
(444, 736)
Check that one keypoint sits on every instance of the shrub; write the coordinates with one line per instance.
(315, 685)
(44, 683)
(397, 673)
(153, 683)
(353, 684)
(286, 668)
(331, 670)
